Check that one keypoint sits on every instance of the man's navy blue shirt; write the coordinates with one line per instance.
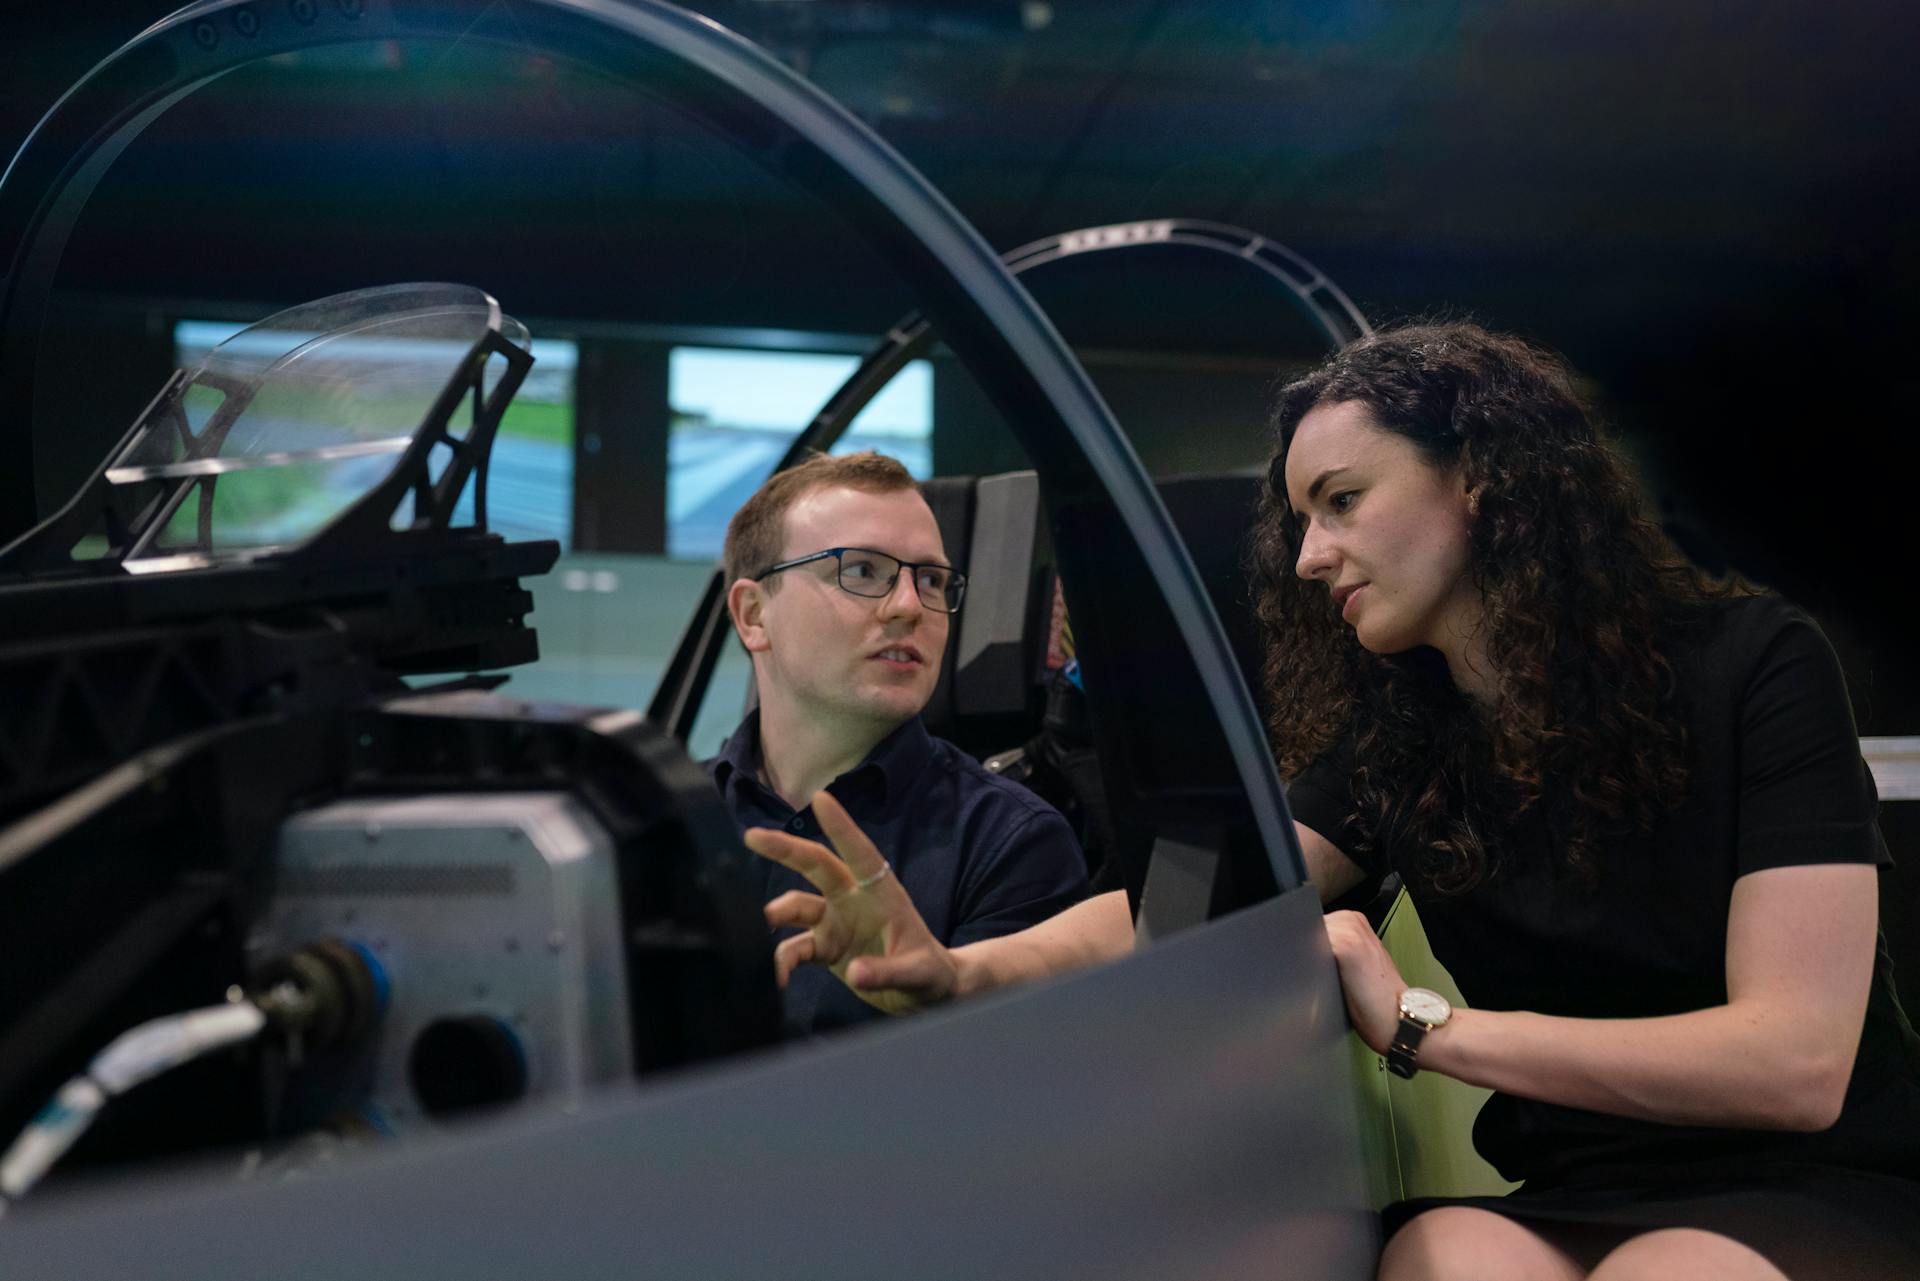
(980, 856)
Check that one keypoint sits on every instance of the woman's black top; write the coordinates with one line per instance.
(1776, 780)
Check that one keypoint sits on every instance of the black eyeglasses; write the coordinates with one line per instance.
(865, 572)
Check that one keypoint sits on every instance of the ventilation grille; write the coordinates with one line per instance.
(385, 880)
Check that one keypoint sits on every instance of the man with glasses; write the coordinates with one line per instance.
(842, 592)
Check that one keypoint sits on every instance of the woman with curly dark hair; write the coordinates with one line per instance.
(1556, 574)
(1630, 806)
(1628, 801)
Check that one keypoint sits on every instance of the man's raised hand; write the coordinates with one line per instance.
(861, 925)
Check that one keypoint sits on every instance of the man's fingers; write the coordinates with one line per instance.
(848, 840)
(917, 974)
(791, 953)
(907, 973)
(795, 907)
(858, 861)
(809, 858)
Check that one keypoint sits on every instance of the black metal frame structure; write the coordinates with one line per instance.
(1132, 585)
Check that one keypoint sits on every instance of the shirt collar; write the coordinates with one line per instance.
(898, 758)
(740, 754)
(894, 762)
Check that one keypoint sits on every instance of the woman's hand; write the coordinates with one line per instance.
(1369, 978)
(862, 925)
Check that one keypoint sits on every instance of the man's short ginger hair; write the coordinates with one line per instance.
(757, 531)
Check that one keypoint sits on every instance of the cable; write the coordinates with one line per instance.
(320, 995)
(135, 1056)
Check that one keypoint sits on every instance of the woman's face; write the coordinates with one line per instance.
(1386, 531)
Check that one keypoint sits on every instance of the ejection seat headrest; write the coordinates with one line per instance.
(993, 529)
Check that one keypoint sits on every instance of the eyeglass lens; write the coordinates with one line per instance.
(866, 573)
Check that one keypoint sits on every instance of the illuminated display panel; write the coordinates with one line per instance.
(734, 412)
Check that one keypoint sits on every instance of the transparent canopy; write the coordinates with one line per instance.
(294, 418)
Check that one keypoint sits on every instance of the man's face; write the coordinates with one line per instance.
(859, 662)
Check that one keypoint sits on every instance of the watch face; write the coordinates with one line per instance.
(1430, 1008)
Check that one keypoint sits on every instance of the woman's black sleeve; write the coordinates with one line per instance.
(1321, 798)
(1806, 796)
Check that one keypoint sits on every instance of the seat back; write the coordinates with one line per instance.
(993, 674)
(999, 698)
(1214, 514)
(992, 681)
(951, 499)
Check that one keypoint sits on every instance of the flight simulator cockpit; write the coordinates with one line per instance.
(288, 871)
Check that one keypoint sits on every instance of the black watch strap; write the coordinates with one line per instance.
(1403, 1055)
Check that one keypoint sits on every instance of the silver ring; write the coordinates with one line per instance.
(862, 882)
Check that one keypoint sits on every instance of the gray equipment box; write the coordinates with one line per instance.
(495, 912)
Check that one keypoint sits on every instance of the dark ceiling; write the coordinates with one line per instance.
(1708, 207)
(1577, 169)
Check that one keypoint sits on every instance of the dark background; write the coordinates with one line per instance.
(1707, 208)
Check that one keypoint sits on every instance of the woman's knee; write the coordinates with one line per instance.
(1458, 1243)
(1685, 1252)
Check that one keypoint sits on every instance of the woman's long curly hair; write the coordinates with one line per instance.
(1577, 583)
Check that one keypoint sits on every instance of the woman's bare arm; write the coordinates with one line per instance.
(1330, 870)
(1777, 1055)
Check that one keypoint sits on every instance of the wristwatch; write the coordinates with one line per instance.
(1421, 1011)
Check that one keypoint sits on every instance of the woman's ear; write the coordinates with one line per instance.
(1473, 499)
(746, 606)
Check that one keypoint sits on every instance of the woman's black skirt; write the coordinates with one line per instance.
(1813, 1223)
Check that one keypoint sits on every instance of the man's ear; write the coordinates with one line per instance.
(746, 604)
